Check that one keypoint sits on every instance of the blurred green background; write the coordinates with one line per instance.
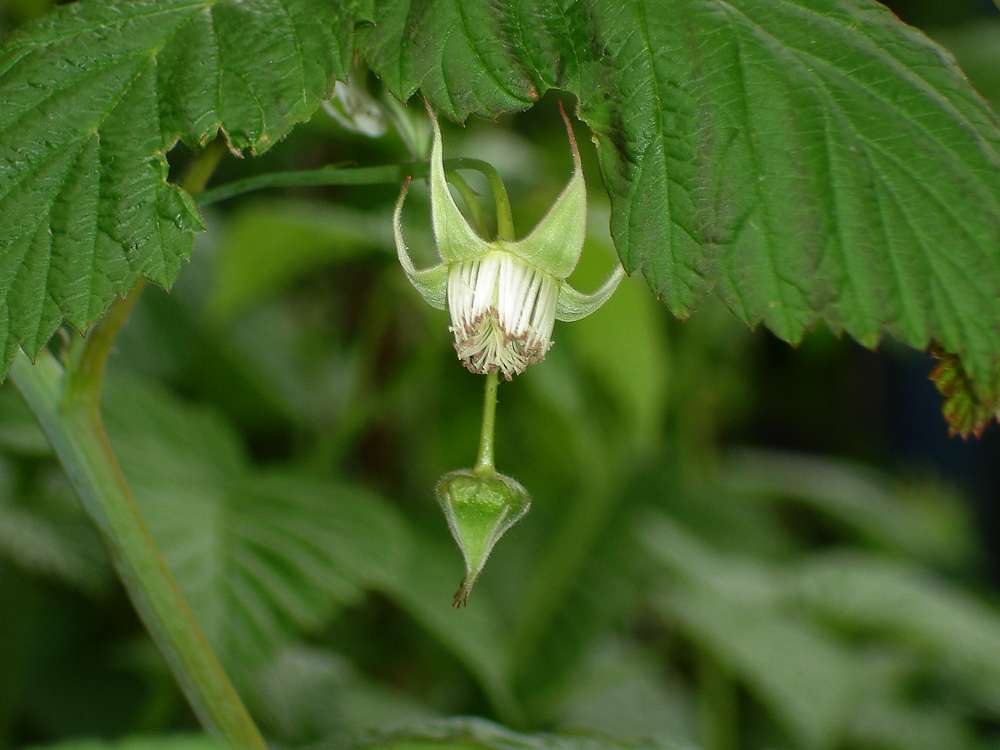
(733, 544)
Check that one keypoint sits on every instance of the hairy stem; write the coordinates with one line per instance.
(67, 405)
(484, 461)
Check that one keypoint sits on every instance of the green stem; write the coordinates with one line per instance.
(484, 461)
(505, 221)
(470, 200)
(86, 373)
(333, 176)
(203, 166)
(717, 705)
(67, 405)
(67, 408)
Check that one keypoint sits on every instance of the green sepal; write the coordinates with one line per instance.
(456, 239)
(573, 304)
(432, 283)
(480, 506)
(555, 244)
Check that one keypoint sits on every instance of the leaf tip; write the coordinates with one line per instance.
(967, 409)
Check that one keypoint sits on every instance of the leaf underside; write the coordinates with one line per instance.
(94, 95)
(806, 160)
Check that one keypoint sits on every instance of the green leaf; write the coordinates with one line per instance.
(261, 556)
(94, 96)
(476, 734)
(899, 726)
(138, 743)
(738, 579)
(954, 631)
(808, 160)
(916, 519)
(44, 530)
(307, 693)
(622, 690)
(968, 409)
(804, 676)
(19, 430)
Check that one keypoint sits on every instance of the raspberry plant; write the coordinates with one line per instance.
(806, 162)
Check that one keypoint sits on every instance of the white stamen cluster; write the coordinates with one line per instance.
(502, 312)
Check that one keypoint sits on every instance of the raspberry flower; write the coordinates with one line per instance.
(504, 296)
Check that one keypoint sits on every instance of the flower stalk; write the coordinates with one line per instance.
(484, 460)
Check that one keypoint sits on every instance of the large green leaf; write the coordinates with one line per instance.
(260, 556)
(918, 519)
(954, 631)
(900, 725)
(474, 734)
(457, 734)
(19, 430)
(726, 607)
(806, 159)
(165, 742)
(834, 645)
(763, 150)
(803, 676)
(623, 690)
(178, 742)
(94, 95)
(308, 693)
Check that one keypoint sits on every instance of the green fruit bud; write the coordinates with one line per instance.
(480, 506)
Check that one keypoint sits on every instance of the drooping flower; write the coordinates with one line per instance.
(504, 296)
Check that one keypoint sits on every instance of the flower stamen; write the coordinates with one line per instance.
(502, 313)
